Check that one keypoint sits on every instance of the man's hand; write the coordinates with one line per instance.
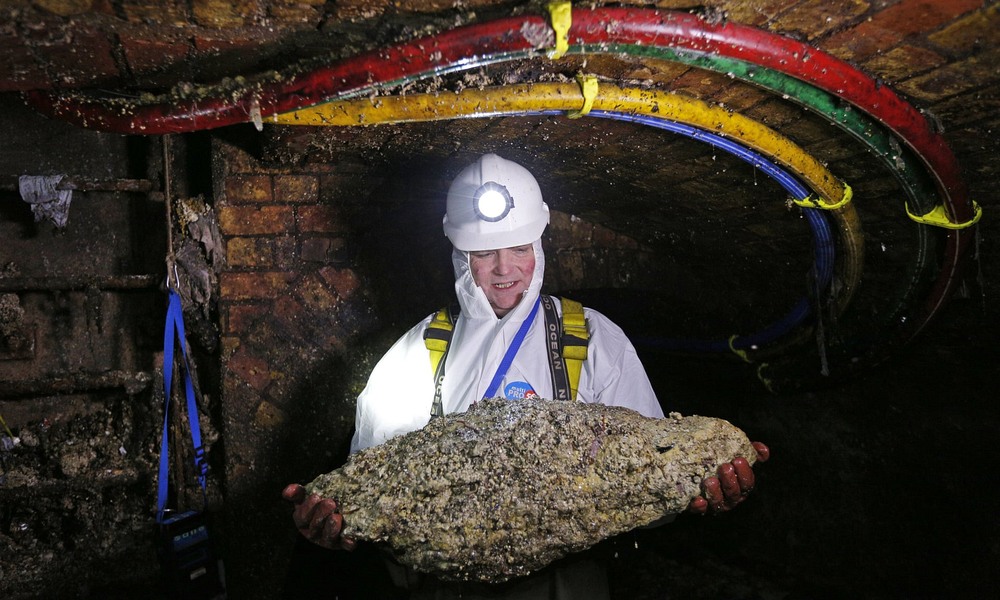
(317, 518)
(731, 486)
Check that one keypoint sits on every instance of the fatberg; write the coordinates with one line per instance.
(507, 487)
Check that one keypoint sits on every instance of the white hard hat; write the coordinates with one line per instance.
(494, 203)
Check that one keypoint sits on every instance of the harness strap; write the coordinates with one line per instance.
(173, 334)
(575, 338)
(553, 341)
(567, 339)
(437, 337)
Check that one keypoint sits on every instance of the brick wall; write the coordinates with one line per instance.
(291, 306)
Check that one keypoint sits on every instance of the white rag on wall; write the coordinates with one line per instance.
(47, 202)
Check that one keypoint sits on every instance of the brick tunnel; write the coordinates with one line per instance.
(804, 260)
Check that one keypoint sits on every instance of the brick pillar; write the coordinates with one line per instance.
(289, 306)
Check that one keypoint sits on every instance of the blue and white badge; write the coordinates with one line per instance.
(519, 390)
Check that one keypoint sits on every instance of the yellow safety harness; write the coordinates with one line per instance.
(567, 342)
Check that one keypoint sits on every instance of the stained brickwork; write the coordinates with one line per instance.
(885, 29)
(297, 307)
(290, 306)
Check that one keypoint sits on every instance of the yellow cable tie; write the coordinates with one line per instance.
(938, 217)
(808, 201)
(741, 353)
(588, 85)
(760, 375)
(561, 14)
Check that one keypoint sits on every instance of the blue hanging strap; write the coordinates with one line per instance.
(508, 358)
(173, 332)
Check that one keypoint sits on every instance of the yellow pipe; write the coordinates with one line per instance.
(502, 101)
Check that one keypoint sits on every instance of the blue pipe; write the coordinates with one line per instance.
(823, 254)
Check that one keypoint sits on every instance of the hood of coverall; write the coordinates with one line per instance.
(473, 299)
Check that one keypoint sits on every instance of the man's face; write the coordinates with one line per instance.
(503, 274)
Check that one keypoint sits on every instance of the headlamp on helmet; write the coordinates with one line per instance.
(481, 212)
(492, 202)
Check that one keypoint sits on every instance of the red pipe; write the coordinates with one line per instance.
(178, 115)
(524, 34)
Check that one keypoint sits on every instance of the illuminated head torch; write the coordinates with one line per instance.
(492, 202)
(480, 212)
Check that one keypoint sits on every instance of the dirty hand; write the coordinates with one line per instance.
(317, 518)
(734, 481)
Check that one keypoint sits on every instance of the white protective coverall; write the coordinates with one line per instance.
(400, 390)
(400, 393)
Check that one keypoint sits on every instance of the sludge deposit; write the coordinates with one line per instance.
(508, 487)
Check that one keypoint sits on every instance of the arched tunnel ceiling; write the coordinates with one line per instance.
(719, 223)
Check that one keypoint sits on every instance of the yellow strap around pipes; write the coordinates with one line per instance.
(741, 353)
(514, 99)
(561, 14)
(809, 202)
(768, 383)
(588, 86)
(938, 217)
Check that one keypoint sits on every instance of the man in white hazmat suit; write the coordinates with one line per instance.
(499, 268)
(499, 347)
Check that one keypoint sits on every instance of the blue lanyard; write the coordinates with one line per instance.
(508, 358)
(174, 331)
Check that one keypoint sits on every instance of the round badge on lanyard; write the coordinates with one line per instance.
(519, 390)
